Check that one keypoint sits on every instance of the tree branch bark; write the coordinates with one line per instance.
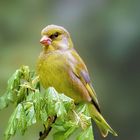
(47, 127)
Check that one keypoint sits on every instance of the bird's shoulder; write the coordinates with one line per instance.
(75, 58)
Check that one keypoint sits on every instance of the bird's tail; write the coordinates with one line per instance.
(100, 121)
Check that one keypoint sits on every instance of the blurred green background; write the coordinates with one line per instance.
(106, 33)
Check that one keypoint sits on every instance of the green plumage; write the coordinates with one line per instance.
(56, 69)
(60, 66)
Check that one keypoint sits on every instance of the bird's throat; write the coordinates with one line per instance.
(47, 49)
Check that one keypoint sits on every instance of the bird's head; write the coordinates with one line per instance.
(55, 38)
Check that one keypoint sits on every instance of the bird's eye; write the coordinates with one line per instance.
(55, 35)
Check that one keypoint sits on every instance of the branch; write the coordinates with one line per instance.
(47, 127)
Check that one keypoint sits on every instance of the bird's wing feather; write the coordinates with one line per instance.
(81, 72)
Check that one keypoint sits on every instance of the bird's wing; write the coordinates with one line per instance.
(80, 70)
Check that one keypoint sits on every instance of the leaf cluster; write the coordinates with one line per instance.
(34, 105)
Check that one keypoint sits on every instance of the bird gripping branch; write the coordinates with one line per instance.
(60, 66)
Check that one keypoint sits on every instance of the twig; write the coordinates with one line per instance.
(47, 127)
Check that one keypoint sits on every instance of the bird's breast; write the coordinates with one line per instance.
(52, 69)
(55, 69)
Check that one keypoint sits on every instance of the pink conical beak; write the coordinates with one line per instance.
(45, 41)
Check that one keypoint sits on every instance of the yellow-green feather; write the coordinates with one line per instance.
(60, 66)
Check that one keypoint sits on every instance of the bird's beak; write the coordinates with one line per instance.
(46, 41)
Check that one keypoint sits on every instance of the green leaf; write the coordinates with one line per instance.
(14, 81)
(33, 106)
(21, 94)
(40, 106)
(83, 108)
(21, 117)
(60, 110)
(64, 129)
(59, 136)
(12, 125)
(3, 101)
(70, 131)
(82, 115)
(14, 93)
(25, 72)
(84, 121)
(67, 102)
(43, 113)
(86, 134)
(17, 122)
(51, 97)
(51, 94)
(30, 113)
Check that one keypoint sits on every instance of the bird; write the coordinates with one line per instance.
(60, 66)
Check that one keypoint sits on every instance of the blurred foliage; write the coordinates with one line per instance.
(51, 109)
(106, 34)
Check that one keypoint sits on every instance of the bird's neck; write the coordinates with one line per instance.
(70, 43)
(48, 49)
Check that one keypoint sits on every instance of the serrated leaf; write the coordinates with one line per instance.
(60, 110)
(43, 113)
(21, 94)
(25, 72)
(12, 126)
(67, 102)
(14, 81)
(64, 125)
(52, 94)
(83, 108)
(30, 113)
(52, 97)
(81, 116)
(59, 136)
(3, 102)
(11, 96)
(40, 106)
(64, 129)
(35, 80)
(84, 121)
(86, 134)
(70, 131)
(21, 117)
(16, 122)
(32, 106)
(13, 86)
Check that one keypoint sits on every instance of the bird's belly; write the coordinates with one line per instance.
(56, 74)
(53, 76)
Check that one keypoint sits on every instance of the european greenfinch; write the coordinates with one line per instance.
(60, 66)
